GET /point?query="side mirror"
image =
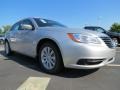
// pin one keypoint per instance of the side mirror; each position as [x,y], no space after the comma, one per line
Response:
[26,27]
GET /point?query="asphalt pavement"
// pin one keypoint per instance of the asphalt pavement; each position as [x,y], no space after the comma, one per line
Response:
[18,72]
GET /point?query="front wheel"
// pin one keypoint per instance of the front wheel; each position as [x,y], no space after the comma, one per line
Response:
[50,58]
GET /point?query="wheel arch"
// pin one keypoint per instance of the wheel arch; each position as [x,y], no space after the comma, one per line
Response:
[42,41]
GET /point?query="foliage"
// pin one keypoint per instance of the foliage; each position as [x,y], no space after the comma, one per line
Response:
[115,27]
[0,31]
[4,29]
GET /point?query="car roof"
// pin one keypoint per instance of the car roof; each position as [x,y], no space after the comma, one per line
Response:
[92,27]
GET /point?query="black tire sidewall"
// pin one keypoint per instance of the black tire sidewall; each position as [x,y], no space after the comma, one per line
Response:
[58,64]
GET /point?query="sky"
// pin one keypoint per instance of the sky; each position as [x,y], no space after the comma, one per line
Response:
[73,13]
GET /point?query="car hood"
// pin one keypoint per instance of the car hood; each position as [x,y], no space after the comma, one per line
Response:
[76,30]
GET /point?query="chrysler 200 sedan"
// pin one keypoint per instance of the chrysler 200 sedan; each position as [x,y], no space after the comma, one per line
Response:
[57,46]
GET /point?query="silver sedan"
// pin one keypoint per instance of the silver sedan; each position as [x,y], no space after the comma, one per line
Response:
[57,46]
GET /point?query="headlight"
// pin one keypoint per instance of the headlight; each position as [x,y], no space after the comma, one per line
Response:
[83,38]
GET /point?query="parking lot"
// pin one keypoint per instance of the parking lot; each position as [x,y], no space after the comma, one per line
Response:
[18,72]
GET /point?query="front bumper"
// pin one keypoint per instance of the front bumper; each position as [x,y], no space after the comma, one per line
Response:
[92,66]
[77,51]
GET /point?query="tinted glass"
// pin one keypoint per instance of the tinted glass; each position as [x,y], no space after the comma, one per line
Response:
[98,29]
[15,27]
[90,28]
[47,23]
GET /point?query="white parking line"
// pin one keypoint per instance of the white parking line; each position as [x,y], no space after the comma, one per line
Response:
[35,83]
[114,65]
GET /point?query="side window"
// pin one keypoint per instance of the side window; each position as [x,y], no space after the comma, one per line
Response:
[28,22]
[15,27]
[40,23]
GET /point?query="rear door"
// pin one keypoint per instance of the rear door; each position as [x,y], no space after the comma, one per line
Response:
[13,39]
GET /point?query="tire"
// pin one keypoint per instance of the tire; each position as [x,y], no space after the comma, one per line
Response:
[7,48]
[50,58]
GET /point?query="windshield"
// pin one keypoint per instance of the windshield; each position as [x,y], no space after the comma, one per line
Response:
[98,29]
[47,23]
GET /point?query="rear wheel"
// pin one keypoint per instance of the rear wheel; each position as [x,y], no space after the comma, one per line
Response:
[7,48]
[50,58]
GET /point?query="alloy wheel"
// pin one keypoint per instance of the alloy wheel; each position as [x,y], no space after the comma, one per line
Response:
[48,58]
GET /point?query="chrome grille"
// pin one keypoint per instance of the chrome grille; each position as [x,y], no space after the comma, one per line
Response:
[108,41]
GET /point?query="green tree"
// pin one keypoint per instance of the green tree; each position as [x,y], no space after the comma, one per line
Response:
[115,27]
[0,31]
[4,29]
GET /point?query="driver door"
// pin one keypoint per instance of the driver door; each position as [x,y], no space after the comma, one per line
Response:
[26,38]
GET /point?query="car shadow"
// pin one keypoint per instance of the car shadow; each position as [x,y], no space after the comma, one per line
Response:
[33,64]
